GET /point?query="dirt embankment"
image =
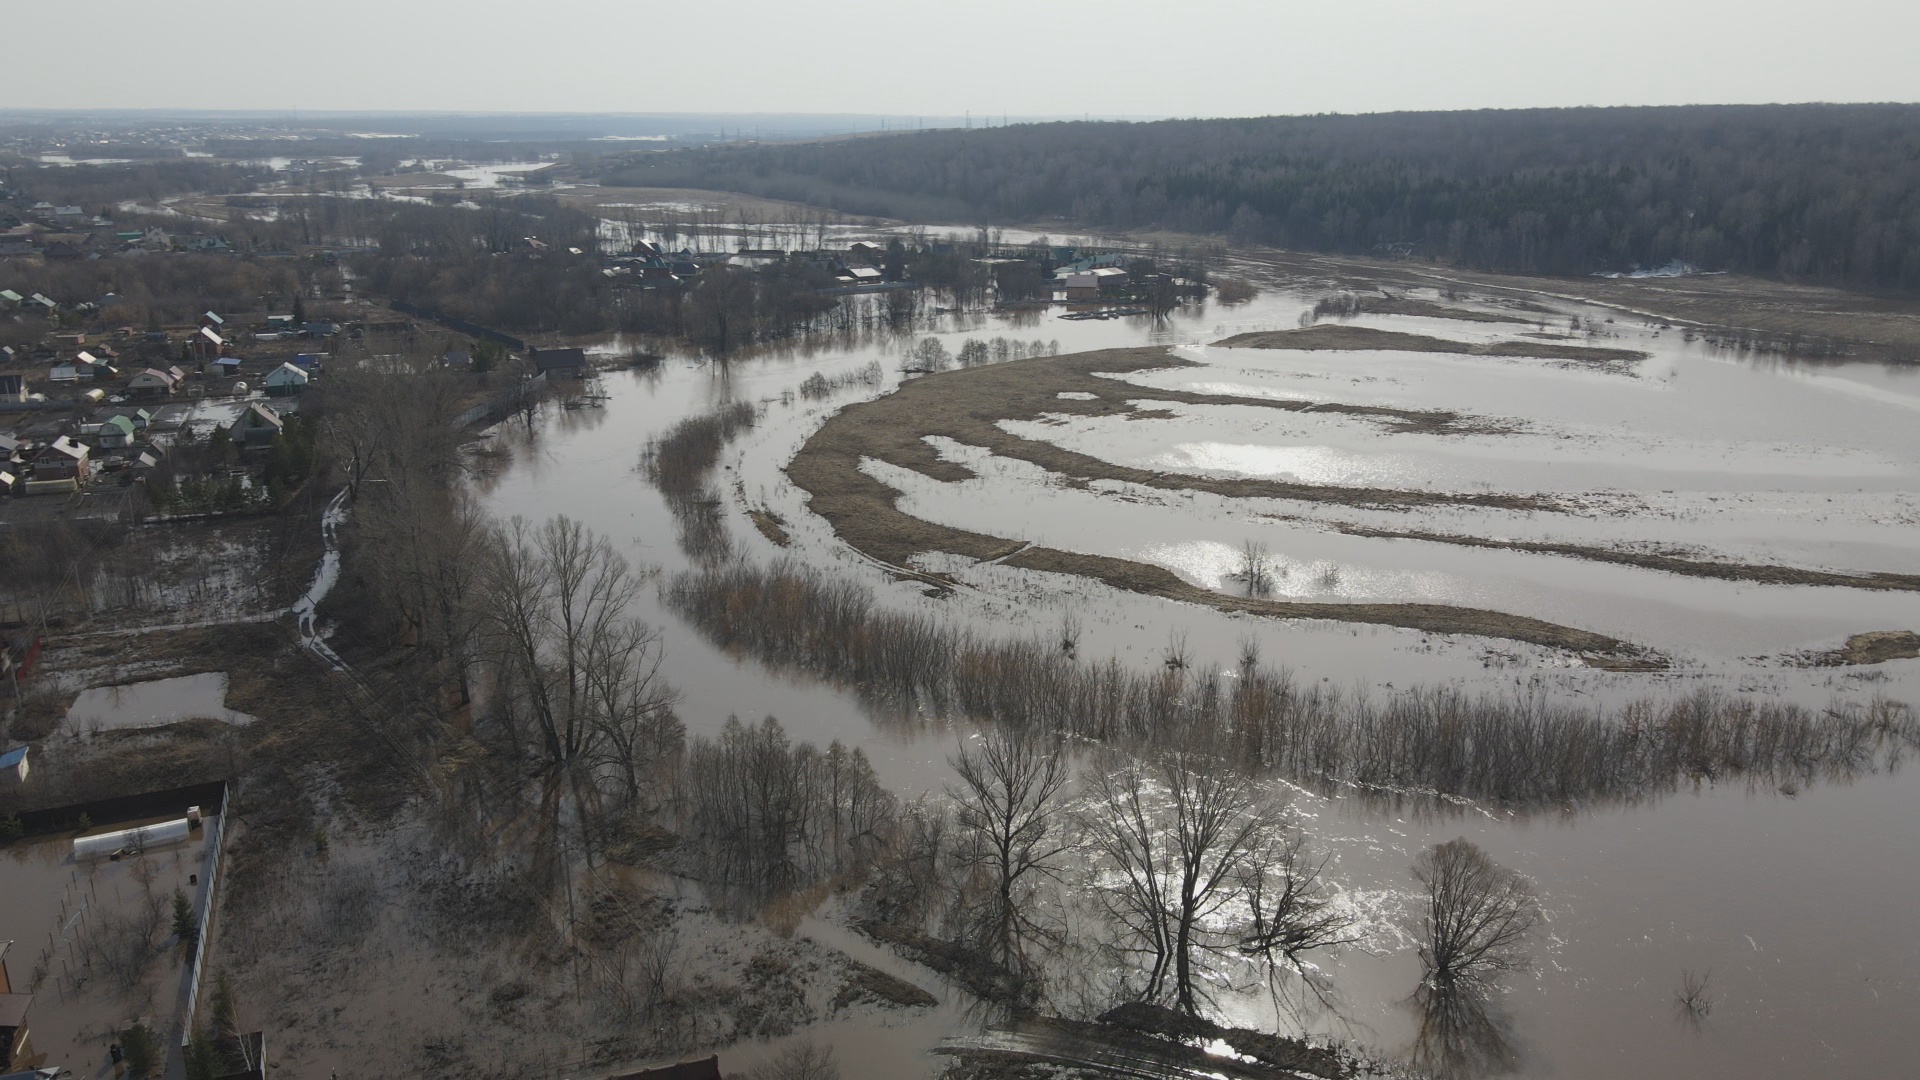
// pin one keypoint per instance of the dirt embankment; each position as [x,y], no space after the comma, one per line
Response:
[966,405]
[1763,573]
[1327,337]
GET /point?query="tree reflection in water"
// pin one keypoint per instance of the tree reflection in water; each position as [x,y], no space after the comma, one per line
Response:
[1463,1034]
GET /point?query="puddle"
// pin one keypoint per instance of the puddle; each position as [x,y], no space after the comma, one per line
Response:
[153,704]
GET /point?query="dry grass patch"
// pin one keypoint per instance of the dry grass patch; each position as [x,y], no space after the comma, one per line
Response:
[1352,338]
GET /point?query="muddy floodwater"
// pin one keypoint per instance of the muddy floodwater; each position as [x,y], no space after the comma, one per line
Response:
[153,704]
[1797,901]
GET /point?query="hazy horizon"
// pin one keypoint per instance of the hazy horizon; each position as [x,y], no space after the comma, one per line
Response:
[1125,58]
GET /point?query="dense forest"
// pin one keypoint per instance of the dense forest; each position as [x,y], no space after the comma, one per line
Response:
[1816,193]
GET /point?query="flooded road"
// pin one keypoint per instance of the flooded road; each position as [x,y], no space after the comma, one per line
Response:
[1797,904]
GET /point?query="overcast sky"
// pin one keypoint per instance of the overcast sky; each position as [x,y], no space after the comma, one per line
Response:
[907,57]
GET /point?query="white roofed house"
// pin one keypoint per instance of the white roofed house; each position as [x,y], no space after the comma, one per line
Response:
[208,344]
[257,426]
[61,465]
[286,379]
[1092,284]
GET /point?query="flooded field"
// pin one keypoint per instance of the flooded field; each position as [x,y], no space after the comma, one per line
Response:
[1556,484]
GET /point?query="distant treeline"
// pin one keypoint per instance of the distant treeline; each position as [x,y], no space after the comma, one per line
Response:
[1823,193]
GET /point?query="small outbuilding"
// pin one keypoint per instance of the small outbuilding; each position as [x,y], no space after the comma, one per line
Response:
[14,766]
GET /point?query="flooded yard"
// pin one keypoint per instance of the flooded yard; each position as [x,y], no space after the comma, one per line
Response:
[153,704]
[1796,899]
[92,940]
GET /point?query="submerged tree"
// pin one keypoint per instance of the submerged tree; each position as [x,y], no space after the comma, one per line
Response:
[1477,916]
[1256,568]
[579,679]
[1007,794]
[1178,832]
[1292,911]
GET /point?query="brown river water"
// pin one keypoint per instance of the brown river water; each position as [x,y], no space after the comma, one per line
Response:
[1799,902]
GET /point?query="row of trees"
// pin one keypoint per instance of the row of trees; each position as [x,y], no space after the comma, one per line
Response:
[1527,751]
[1826,193]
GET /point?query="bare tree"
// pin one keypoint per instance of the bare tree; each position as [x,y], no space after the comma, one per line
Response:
[1256,568]
[1179,832]
[425,546]
[1009,785]
[382,419]
[575,669]
[1478,913]
[1695,998]
[1293,914]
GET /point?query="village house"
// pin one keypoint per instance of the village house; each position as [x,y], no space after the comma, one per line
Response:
[1086,285]
[116,433]
[285,379]
[257,426]
[560,363]
[208,345]
[154,382]
[13,388]
[61,465]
